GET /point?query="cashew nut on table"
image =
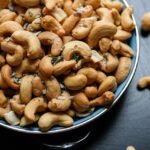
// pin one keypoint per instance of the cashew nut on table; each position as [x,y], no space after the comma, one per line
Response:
[62,59]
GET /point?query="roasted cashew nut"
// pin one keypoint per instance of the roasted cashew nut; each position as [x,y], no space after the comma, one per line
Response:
[2,60]
[3,84]
[3,99]
[34,47]
[16,105]
[116,16]
[4,4]
[61,103]
[75,82]
[62,67]
[5,110]
[106,99]
[109,84]
[105,44]
[123,69]
[101,76]
[45,67]
[76,47]
[26,89]
[144,82]
[77,3]
[6,72]
[68,7]
[91,91]
[14,52]
[50,4]
[53,89]
[50,38]
[126,19]
[35,105]
[94,3]
[146,22]
[50,119]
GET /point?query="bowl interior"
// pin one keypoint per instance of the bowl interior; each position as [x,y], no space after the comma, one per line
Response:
[134,43]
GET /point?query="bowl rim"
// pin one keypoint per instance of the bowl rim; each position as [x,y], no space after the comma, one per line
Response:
[99,114]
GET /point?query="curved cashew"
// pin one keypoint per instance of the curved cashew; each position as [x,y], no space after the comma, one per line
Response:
[83,28]
[50,23]
[116,16]
[94,3]
[5,110]
[145,21]
[122,35]
[50,38]
[19,19]
[3,99]
[6,72]
[121,49]
[27,65]
[68,7]
[37,86]
[91,91]
[34,47]
[50,4]
[35,25]
[76,47]
[26,89]
[3,84]
[50,119]
[100,30]
[104,44]
[2,60]
[144,82]
[4,4]
[126,20]
[123,69]
[90,73]
[81,102]
[109,84]
[15,52]
[106,99]
[27,3]
[32,13]
[45,67]
[35,105]
[70,22]
[9,27]
[77,3]
[110,63]
[67,39]
[16,105]
[61,103]
[53,89]
[112,4]
[62,67]
[75,82]
[100,77]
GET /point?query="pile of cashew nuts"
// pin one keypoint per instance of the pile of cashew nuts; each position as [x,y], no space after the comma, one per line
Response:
[61,59]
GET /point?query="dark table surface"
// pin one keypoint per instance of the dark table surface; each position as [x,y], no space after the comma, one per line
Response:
[128,123]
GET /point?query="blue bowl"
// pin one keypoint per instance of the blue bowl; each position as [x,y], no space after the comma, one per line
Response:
[134,43]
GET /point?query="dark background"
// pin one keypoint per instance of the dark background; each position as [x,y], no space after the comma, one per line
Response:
[128,123]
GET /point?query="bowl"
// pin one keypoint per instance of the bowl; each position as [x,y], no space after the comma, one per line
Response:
[134,43]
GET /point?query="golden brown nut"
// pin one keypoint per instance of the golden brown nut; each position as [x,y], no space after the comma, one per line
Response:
[91,91]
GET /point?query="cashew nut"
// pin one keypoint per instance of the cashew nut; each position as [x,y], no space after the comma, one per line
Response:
[68,7]
[109,84]
[35,25]
[77,3]
[26,89]
[67,39]
[94,3]
[106,99]
[121,49]
[14,52]
[27,65]
[70,22]
[35,105]
[100,77]
[75,82]
[104,44]
[81,102]
[3,99]
[50,38]
[146,22]
[50,119]
[123,69]
[19,19]
[126,20]
[76,47]
[90,73]
[27,3]
[50,23]
[45,67]
[6,72]
[2,60]
[61,103]
[4,4]
[144,82]
[37,86]
[34,47]
[3,84]
[50,4]
[53,89]
[62,67]
[83,28]
[91,91]
[16,105]
[5,110]
[110,63]
[116,16]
